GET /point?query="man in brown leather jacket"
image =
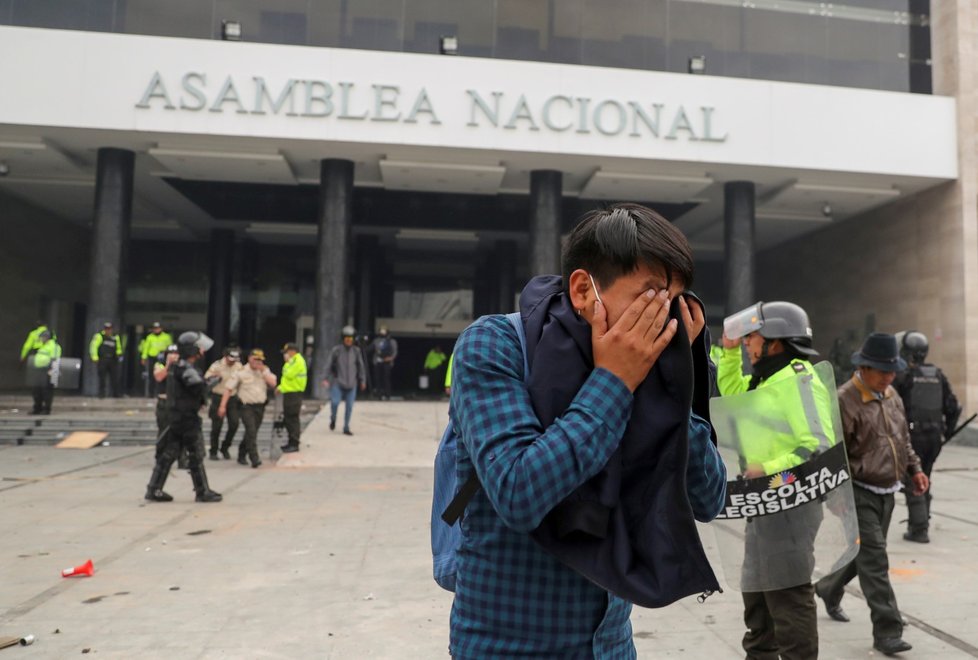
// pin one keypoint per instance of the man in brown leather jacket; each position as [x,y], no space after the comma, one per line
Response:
[880,455]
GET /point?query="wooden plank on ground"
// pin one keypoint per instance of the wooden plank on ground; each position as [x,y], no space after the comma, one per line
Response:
[82,439]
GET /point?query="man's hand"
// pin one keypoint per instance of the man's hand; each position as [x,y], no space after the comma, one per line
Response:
[222,411]
[630,348]
[363,387]
[920,483]
[693,318]
[754,470]
[325,382]
[730,343]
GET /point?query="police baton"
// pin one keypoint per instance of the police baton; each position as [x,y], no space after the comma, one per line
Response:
[950,436]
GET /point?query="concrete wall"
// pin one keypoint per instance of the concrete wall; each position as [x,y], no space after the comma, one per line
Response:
[44,273]
[912,264]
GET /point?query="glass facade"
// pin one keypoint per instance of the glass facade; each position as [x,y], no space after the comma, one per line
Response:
[875,44]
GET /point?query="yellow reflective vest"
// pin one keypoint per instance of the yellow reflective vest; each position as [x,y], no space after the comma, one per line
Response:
[47,353]
[798,418]
[96,342]
[153,344]
[294,375]
[33,341]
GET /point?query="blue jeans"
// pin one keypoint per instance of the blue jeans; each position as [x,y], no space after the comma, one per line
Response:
[337,394]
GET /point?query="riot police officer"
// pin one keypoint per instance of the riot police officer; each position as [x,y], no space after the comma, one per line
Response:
[932,411]
[186,393]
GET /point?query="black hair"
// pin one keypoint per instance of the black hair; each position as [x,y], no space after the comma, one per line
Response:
[612,242]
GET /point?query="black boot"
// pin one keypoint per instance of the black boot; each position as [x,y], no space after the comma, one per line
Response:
[204,493]
[225,447]
[154,489]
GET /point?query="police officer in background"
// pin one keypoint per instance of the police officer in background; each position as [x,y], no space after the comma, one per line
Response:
[160,371]
[186,393]
[150,348]
[292,386]
[249,384]
[47,359]
[222,370]
[105,349]
[33,341]
[932,412]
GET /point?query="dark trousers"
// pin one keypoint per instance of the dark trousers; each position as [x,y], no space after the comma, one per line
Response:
[382,379]
[162,424]
[872,565]
[251,417]
[928,448]
[43,397]
[108,375]
[781,624]
[291,407]
[181,438]
[233,417]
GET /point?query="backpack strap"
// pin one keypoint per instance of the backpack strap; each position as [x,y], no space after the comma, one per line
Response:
[461,500]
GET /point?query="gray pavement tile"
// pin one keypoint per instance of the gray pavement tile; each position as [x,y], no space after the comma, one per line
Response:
[326,555]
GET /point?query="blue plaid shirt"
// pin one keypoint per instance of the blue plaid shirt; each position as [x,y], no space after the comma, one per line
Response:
[512,598]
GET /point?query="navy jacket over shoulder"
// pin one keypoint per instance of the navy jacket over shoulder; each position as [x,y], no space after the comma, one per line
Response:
[630,529]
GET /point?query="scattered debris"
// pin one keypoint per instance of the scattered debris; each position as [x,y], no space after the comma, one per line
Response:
[199,532]
[57,631]
[369,596]
[86,651]
[174,588]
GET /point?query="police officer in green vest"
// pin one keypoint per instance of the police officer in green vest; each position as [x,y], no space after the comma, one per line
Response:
[152,345]
[781,620]
[105,349]
[292,385]
[47,359]
[33,342]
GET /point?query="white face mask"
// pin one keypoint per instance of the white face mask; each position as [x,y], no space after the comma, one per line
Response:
[595,289]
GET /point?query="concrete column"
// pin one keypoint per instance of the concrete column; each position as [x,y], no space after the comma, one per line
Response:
[545,205]
[219,289]
[335,217]
[110,240]
[738,240]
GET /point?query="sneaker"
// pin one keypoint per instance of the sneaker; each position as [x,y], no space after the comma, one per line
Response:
[347,432]
[332,423]
[289,449]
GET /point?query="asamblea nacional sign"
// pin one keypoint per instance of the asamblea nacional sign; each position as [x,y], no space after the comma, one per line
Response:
[486,109]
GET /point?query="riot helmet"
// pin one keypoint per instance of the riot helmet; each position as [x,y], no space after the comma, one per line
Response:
[193,343]
[774,320]
[913,346]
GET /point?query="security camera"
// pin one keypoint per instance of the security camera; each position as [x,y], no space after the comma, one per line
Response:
[827,210]
[4,169]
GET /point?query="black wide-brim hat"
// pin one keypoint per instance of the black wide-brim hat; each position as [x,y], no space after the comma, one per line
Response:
[880,351]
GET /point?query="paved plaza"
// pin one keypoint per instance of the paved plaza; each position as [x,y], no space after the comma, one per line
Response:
[325,554]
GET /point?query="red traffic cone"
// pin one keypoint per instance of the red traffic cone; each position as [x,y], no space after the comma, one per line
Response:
[85,569]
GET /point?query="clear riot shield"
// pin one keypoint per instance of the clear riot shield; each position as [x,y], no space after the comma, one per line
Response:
[798,520]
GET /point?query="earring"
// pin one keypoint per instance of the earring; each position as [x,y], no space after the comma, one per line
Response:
[578,311]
